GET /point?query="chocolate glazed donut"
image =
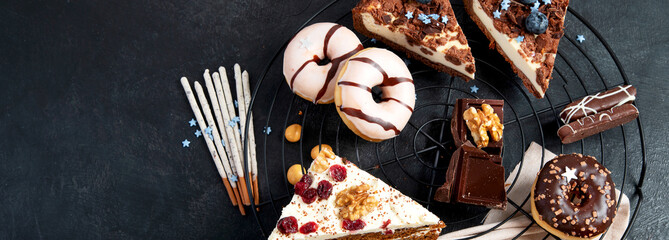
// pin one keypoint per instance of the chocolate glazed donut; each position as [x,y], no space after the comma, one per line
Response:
[574,197]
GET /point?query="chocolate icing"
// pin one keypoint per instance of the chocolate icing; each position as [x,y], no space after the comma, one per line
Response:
[593,104]
[593,124]
[555,198]
[347,83]
[459,128]
[359,114]
[315,59]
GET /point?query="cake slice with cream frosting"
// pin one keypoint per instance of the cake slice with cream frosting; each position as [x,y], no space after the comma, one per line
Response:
[428,32]
[337,200]
[531,53]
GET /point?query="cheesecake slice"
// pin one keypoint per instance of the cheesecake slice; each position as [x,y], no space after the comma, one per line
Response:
[337,200]
[427,32]
[531,55]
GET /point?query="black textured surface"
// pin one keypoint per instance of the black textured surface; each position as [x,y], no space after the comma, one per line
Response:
[92,115]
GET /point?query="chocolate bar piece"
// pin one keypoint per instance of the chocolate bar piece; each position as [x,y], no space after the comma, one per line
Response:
[593,104]
[459,128]
[474,177]
[593,124]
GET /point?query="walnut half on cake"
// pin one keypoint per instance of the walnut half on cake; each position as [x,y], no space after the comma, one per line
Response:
[427,32]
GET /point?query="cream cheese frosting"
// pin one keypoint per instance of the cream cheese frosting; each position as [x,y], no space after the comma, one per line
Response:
[401,210]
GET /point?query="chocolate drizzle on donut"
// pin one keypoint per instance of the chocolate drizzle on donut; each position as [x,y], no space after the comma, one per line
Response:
[347,83]
[315,59]
[387,81]
[398,101]
[580,207]
[335,61]
[359,114]
[327,38]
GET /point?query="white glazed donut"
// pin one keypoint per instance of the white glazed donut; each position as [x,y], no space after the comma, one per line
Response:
[353,94]
[310,47]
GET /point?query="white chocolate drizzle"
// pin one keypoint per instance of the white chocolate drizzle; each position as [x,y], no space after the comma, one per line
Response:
[582,105]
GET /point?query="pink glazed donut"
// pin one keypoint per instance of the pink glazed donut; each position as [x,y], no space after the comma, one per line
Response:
[353,94]
[303,60]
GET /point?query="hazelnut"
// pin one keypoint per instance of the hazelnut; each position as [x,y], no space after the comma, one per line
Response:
[294,173]
[316,150]
[293,133]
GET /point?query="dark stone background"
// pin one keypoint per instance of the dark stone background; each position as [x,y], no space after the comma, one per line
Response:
[92,115]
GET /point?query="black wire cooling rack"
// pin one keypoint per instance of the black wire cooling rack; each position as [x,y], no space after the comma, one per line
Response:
[415,161]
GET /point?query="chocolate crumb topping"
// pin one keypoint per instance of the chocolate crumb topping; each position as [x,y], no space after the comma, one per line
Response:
[391,13]
[576,206]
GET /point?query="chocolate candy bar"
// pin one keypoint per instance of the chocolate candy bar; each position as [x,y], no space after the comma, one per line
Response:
[474,177]
[593,104]
[459,128]
[593,124]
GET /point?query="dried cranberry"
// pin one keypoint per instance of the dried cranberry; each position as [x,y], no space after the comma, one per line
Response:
[287,225]
[307,178]
[324,189]
[308,228]
[353,225]
[309,195]
[300,187]
[385,223]
[385,226]
[338,172]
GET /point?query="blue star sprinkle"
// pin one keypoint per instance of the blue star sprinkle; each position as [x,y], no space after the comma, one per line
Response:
[267,130]
[520,38]
[192,122]
[222,142]
[185,143]
[497,14]
[474,89]
[373,40]
[198,133]
[424,18]
[506,2]
[232,123]
[211,136]
[505,6]
[580,38]
[235,119]
[535,8]
[546,2]
[236,104]
[434,16]
[233,178]
[207,130]
[409,15]
[444,19]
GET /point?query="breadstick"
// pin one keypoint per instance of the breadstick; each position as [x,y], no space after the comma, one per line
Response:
[217,110]
[230,131]
[223,169]
[251,135]
[241,106]
[228,102]
[217,138]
